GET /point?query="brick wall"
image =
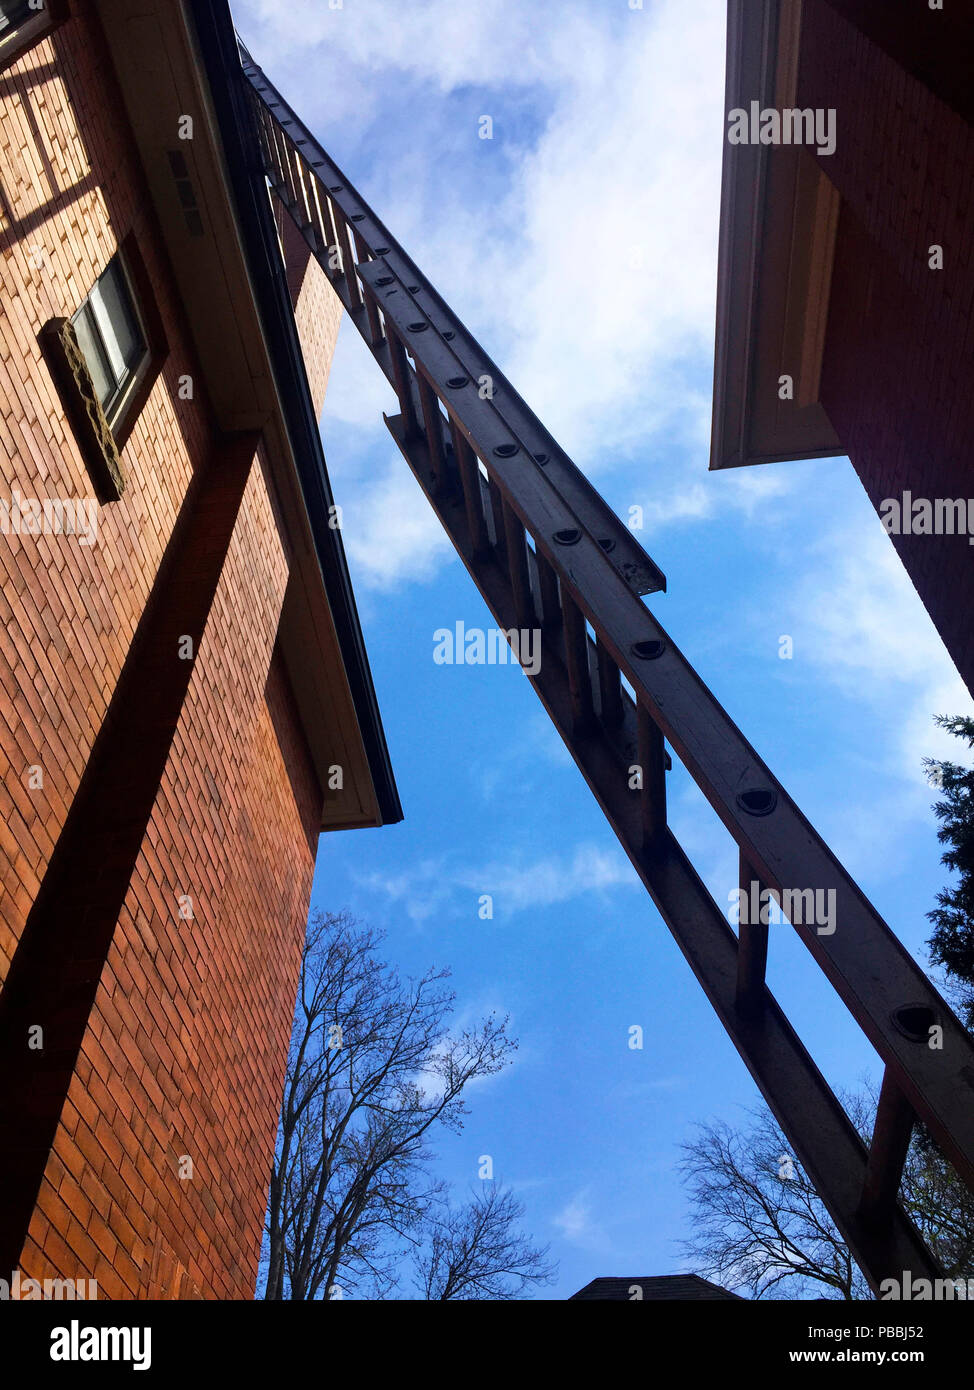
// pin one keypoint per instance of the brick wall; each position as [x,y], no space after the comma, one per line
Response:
[183,1059]
[317,308]
[899,356]
[72,190]
[185,1052]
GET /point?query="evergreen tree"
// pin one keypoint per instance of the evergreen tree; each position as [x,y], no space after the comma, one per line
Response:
[952,942]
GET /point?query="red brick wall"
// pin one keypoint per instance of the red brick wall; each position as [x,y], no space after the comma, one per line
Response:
[186,1049]
[72,190]
[186,1046]
[294,746]
[899,356]
[317,308]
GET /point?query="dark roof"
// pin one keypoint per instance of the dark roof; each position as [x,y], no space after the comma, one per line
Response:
[221,62]
[655,1288]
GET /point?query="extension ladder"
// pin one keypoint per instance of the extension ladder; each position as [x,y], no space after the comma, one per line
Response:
[546,552]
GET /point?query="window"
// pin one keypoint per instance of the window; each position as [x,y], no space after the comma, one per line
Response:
[111,336]
[14,13]
[23,22]
[104,363]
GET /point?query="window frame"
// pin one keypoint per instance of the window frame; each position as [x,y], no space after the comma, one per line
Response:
[101,440]
[120,403]
[26,32]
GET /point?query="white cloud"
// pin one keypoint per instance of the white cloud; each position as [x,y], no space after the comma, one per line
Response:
[543,882]
[358,393]
[438,42]
[515,884]
[613,285]
[576,1224]
[421,890]
[389,529]
[860,624]
[591,276]
[868,632]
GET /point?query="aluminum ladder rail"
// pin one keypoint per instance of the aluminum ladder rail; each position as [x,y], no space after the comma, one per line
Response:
[547,552]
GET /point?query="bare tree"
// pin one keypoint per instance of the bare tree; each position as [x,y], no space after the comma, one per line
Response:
[473,1252]
[759,1223]
[372,1069]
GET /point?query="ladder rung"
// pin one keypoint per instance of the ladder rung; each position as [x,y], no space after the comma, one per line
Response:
[402,374]
[291,175]
[497,515]
[352,289]
[433,425]
[302,174]
[652,797]
[577,661]
[610,691]
[265,127]
[550,597]
[279,163]
[892,1131]
[323,224]
[362,256]
[472,493]
[517,565]
[372,313]
[362,253]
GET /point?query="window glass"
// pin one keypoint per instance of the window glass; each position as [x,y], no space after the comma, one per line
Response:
[90,345]
[14,12]
[119,330]
[109,335]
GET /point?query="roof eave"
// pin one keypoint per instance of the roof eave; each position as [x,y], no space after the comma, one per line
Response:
[217,46]
[778,223]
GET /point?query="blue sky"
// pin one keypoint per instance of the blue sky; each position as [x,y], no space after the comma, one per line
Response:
[579,245]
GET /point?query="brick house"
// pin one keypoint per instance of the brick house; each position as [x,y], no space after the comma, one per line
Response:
[850,270]
[186,699]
